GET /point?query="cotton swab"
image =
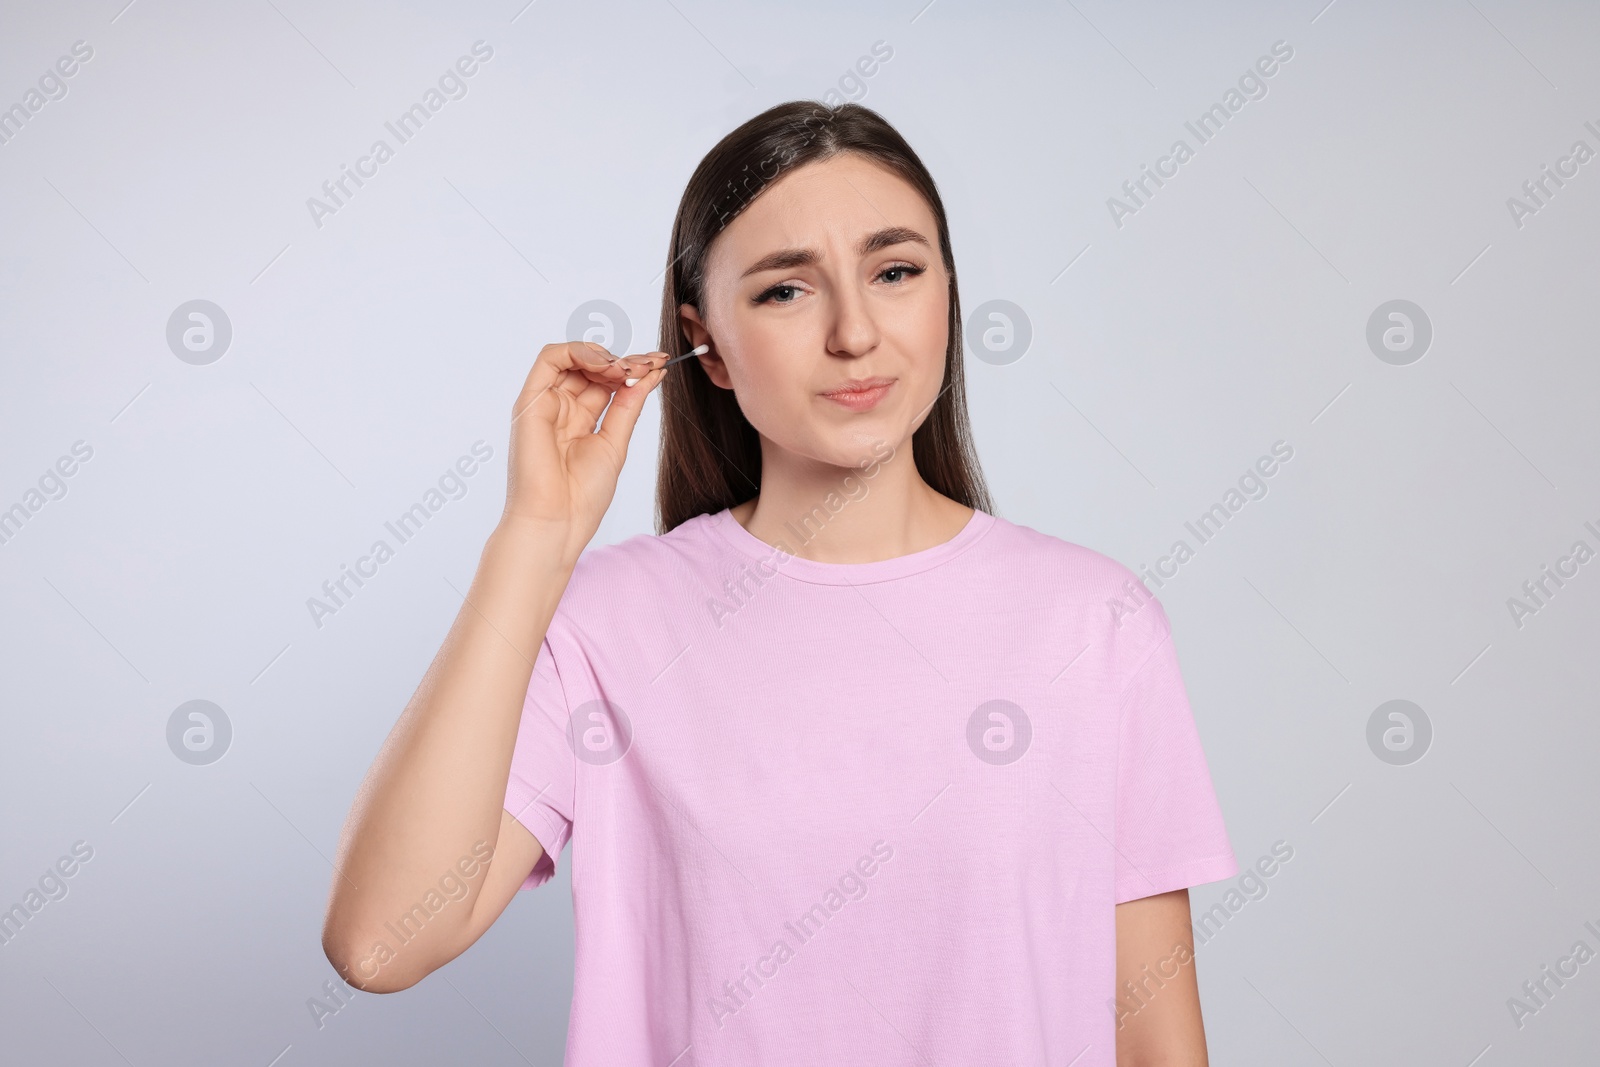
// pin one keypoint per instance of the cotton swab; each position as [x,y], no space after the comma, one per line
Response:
[700,351]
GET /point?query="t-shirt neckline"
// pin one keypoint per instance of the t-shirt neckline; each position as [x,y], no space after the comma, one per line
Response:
[810,570]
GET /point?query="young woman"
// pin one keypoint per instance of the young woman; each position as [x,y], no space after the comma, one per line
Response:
[855,770]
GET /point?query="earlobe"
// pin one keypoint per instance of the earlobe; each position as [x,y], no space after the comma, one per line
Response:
[715,370]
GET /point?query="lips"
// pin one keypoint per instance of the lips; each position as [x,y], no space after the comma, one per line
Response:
[861,395]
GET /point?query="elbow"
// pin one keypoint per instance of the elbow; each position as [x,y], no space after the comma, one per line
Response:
[370,968]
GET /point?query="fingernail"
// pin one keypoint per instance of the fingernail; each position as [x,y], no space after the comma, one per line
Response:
[630,382]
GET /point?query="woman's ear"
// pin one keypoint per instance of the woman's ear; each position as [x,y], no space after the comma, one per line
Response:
[695,329]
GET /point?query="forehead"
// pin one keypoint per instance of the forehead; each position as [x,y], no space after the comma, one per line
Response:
[827,205]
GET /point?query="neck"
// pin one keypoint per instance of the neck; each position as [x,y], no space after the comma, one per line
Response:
[877,510]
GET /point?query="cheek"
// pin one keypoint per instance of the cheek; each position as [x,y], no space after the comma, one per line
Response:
[765,354]
[922,331]
[767,362]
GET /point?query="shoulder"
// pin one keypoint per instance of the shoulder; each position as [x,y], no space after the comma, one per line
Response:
[623,579]
[1098,593]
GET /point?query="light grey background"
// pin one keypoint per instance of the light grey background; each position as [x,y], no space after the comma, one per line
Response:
[1167,354]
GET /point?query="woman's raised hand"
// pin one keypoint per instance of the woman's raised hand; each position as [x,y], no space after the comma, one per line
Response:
[561,473]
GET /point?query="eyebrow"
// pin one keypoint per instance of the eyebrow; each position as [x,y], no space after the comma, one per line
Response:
[785,258]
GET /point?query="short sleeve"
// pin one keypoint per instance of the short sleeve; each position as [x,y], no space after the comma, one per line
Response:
[1169,830]
[539,790]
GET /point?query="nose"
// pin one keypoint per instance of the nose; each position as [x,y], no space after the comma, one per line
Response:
[854,331]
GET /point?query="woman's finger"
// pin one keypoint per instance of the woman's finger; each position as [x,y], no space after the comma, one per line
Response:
[624,410]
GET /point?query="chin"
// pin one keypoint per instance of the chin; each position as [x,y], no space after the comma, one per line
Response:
[864,445]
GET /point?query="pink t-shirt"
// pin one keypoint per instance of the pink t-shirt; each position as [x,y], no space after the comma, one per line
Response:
[857,813]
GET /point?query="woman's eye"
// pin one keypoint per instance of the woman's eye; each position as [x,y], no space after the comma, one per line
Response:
[786,294]
[901,268]
[770,296]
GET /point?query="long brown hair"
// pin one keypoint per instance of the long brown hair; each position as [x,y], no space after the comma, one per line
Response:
[710,456]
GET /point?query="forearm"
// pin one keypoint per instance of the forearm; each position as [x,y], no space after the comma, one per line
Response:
[437,785]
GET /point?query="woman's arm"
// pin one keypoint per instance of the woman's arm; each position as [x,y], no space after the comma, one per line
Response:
[1157,998]
[438,784]
[429,816]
